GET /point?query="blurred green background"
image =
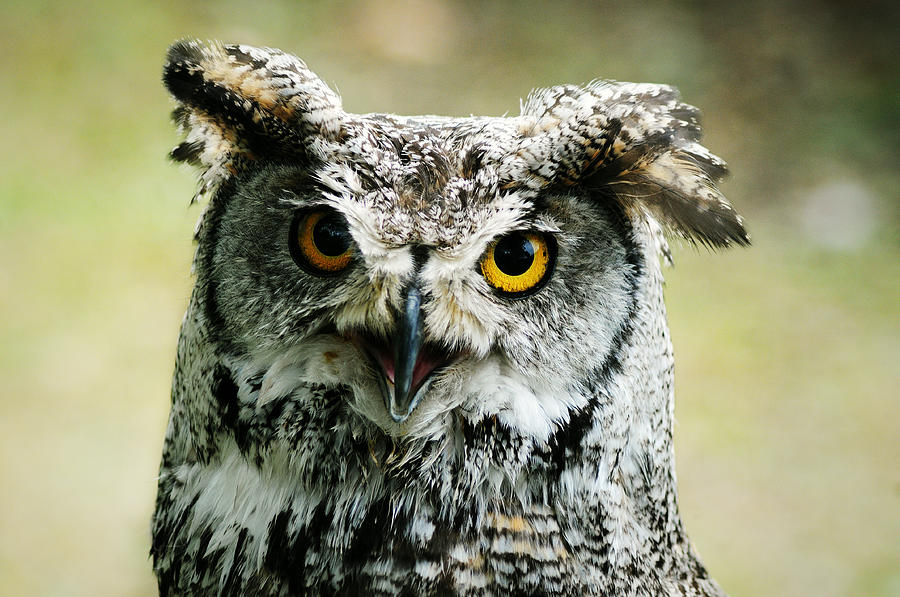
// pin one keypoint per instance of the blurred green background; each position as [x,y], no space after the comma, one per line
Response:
[788,352]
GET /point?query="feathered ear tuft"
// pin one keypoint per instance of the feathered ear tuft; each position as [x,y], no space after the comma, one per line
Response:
[639,145]
[239,103]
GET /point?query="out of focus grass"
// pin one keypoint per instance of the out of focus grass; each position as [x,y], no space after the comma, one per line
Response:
[787,353]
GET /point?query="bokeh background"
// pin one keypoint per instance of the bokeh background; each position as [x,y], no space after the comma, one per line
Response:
[788,353]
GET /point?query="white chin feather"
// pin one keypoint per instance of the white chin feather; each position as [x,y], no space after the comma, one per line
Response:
[477,388]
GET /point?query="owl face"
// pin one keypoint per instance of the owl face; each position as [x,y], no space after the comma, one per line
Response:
[495,319]
[435,267]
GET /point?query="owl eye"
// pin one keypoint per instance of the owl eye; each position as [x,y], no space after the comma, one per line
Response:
[519,263]
[320,242]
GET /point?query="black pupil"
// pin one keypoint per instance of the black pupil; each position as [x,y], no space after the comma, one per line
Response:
[514,254]
[331,237]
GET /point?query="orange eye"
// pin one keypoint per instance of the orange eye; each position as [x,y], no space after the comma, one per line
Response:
[519,263]
[320,242]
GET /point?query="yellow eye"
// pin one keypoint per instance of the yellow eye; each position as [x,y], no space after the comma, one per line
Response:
[519,263]
[320,242]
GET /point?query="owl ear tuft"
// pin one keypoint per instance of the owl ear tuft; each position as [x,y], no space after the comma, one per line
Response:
[239,103]
[639,145]
[679,189]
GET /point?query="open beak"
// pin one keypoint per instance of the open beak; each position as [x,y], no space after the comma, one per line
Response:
[406,361]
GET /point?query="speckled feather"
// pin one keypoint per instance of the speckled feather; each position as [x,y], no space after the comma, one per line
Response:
[539,462]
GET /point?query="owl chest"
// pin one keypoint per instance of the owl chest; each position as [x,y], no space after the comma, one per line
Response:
[261,531]
[390,552]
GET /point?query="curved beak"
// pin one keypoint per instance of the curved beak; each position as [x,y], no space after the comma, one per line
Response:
[408,340]
[406,361]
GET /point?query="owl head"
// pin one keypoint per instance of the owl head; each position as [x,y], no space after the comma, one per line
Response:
[434,269]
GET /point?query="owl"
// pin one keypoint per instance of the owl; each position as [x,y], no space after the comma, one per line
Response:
[428,355]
